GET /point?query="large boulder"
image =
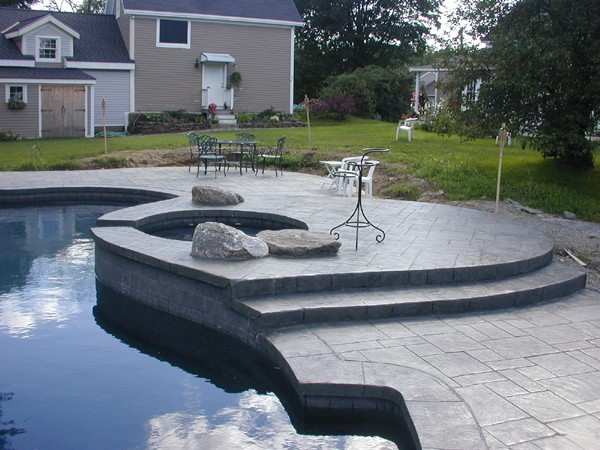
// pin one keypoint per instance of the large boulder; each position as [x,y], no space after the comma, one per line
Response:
[217,240]
[216,196]
[293,242]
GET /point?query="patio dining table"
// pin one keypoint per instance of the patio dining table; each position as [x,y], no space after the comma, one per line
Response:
[241,145]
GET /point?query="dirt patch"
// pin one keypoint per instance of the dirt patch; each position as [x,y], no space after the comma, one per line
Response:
[580,238]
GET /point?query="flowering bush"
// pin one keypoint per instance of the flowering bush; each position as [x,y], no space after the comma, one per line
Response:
[337,107]
[212,108]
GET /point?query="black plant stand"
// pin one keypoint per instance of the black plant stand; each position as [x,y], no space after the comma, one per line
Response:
[358,219]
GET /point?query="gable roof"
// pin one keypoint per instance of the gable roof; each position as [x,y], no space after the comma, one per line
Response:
[22,27]
[99,40]
[282,12]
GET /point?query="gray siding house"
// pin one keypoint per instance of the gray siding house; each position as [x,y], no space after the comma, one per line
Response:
[185,52]
[55,69]
[142,56]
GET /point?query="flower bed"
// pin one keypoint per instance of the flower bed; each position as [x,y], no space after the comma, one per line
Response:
[166,122]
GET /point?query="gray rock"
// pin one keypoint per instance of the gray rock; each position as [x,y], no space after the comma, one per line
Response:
[220,241]
[210,195]
[569,215]
[299,242]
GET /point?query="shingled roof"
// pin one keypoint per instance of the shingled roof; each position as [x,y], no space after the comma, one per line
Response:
[100,38]
[37,73]
[266,10]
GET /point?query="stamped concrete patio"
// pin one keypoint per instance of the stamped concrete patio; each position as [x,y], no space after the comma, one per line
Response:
[460,317]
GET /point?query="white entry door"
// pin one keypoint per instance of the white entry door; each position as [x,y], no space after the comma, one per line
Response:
[214,80]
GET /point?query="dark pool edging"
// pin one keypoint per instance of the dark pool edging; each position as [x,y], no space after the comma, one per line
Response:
[81,194]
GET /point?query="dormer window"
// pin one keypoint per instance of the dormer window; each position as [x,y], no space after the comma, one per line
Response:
[48,49]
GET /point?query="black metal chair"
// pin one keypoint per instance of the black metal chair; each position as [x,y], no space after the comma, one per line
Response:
[272,156]
[243,158]
[193,143]
[208,153]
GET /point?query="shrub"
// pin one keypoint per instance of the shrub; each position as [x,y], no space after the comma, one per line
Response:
[245,117]
[266,114]
[8,135]
[179,115]
[376,91]
[338,107]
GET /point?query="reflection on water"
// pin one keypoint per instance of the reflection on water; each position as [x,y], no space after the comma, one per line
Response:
[71,383]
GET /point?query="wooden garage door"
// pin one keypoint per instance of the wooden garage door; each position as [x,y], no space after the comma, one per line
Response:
[63,111]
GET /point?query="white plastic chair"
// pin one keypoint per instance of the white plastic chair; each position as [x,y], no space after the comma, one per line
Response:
[367,180]
[408,126]
[346,175]
[508,138]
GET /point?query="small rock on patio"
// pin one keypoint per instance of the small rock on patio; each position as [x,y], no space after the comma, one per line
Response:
[212,195]
[220,241]
[299,242]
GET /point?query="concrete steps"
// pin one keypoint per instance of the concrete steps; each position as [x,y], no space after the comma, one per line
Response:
[226,117]
[550,282]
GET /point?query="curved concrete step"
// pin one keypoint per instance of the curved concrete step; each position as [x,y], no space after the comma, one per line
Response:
[550,282]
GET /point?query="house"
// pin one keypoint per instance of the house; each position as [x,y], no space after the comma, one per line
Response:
[143,56]
[55,68]
[427,79]
[185,52]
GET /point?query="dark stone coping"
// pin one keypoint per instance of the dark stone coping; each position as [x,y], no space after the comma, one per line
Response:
[81,194]
[183,218]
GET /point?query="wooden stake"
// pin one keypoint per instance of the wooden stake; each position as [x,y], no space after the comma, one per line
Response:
[307,106]
[575,258]
[104,125]
[503,135]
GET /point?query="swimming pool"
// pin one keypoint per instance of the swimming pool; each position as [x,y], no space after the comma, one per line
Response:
[70,380]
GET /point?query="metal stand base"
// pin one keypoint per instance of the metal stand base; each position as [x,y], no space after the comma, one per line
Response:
[358,218]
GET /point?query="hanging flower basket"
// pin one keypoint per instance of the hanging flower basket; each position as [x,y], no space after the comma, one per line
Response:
[235,79]
[16,104]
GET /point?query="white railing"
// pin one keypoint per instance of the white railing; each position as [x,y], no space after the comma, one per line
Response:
[207,99]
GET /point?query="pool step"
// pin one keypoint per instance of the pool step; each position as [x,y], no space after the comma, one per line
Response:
[552,281]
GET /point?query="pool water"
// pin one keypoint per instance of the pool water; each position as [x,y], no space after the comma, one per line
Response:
[69,379]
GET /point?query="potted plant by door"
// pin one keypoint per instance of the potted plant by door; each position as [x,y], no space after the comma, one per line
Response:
[212,109]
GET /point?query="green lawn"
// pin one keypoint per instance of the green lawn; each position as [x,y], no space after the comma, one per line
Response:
[463,170]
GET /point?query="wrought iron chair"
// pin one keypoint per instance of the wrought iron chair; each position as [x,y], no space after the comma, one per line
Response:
[208,153]
[243,159]
[193,143]
[273,156]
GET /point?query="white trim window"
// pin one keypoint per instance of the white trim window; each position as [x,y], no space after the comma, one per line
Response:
[15,92]
[173,33]
[48,49]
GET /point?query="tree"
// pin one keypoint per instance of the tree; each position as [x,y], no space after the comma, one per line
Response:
[23,4]
[78,6]
[541,76]
[374,90]
[91,6]
[340,36]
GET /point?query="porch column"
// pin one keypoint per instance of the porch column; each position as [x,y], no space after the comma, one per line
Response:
[417,90]
[435,98]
